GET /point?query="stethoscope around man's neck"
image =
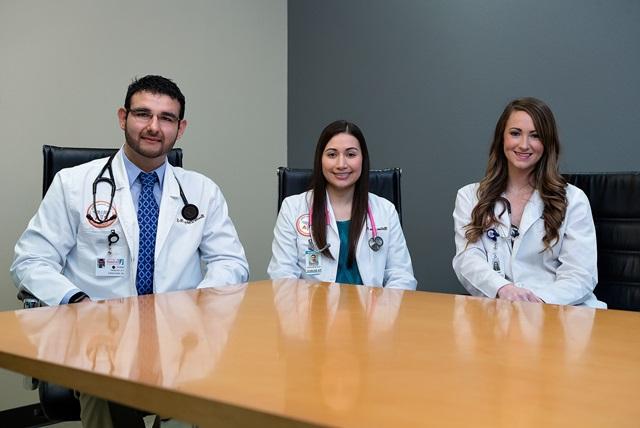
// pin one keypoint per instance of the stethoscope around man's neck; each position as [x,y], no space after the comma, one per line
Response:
[189,211]
[375,242]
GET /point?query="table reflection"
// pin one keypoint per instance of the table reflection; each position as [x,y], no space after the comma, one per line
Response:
[523,324]
[506,347]
[343,330]
[165,339]
[339,355]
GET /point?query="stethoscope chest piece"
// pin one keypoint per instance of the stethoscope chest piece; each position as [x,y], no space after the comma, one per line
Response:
[375,243]
[190,212]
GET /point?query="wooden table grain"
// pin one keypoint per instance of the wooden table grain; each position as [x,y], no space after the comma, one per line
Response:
[294,353]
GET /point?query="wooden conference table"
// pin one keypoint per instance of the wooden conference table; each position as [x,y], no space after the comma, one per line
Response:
[292,353]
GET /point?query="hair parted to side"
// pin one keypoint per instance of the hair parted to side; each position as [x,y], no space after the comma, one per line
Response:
[319,188]
[545,178]
[155,85]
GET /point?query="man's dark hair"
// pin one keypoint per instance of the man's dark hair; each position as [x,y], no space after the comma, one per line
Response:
[155,85]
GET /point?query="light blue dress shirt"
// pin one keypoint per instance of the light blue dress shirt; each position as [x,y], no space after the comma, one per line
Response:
[134,183]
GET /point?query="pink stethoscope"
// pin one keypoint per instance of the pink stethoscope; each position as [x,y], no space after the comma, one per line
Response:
[375,242]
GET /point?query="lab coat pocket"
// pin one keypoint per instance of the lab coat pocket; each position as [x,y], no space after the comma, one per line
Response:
[374,256]
[186,235]
[92,240]
[97,245]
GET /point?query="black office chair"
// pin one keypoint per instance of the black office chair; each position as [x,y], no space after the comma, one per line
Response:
[615,205]
[382,182]
[59,403]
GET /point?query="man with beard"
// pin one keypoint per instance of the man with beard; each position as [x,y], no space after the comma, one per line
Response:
[131,224]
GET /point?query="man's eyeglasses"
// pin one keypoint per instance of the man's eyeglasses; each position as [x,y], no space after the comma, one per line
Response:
[145,116]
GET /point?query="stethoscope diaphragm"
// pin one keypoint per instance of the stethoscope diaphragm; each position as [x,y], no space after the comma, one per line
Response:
[375,243]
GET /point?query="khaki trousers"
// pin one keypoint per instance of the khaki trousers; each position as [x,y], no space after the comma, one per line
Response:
[98,413]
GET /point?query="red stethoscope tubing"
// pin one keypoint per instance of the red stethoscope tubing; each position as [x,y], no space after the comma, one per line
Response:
[374,230]
[375,242]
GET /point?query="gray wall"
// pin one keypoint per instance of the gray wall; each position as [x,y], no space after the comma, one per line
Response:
[65,68]
[427,80]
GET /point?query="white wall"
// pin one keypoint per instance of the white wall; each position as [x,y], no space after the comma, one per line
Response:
[64,69]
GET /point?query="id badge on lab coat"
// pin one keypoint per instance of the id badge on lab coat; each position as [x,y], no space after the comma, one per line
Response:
[494,260]
[312,262]
[111,265]
[496,265]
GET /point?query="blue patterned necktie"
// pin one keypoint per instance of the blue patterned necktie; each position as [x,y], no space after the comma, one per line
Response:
[148,224]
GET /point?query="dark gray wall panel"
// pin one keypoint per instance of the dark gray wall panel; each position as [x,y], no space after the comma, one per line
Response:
[426,81]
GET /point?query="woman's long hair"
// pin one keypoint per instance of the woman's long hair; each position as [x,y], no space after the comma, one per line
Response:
[319,188]
[546,177]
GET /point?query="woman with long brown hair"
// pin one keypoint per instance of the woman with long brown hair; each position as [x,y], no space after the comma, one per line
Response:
[523,233]
[338,231]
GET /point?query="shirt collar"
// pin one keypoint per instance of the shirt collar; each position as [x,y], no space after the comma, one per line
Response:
[133,171]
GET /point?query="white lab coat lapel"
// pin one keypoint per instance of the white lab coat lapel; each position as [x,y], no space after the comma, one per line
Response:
[504,220]
[532,213]
[127,215]
[169,207]
[364,253]
[333,237]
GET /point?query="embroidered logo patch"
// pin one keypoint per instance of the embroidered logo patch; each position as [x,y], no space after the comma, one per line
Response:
[302,225]
[100,212]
